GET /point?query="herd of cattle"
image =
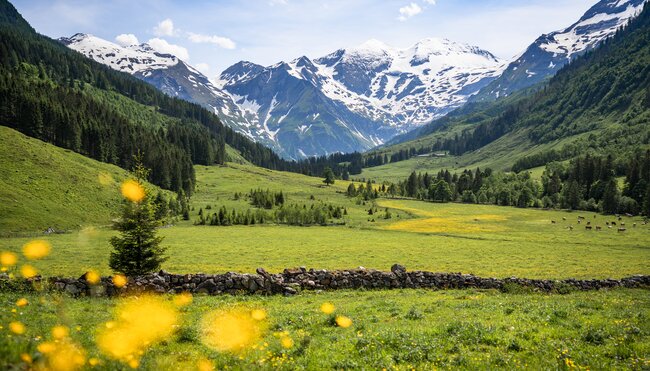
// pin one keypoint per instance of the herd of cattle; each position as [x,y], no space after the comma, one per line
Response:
[619,224]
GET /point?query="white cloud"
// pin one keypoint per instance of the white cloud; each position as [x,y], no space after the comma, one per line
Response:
[278,2]
[204,68]
[126,39]
[163,46]
[409,11]
[164,28]
[430,2]
[222,42]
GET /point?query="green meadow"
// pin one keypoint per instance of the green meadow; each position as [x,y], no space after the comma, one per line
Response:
[402,329]
[480,239]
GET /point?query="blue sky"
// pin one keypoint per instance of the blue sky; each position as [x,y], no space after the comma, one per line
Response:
[216,34]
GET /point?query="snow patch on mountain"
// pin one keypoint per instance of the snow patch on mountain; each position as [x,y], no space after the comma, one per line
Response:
[550,52]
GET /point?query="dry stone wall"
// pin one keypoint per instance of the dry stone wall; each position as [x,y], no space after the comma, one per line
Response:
[292,281]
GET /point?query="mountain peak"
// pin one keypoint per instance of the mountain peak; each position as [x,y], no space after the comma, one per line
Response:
[131,59]
[372,46]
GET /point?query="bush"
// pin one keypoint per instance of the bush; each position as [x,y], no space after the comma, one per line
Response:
[628,205]
[468,197]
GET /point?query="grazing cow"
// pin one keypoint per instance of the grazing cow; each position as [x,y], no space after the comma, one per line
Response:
[629,215]
[613,223]
[594,216]
[588,227]
[622,224]
[609,226]
[619,218]
[598,228]
[571,227]
[563,218]
[606,223]
[580,217]
[552,221]
[634,225]
[588,223]
[621,229]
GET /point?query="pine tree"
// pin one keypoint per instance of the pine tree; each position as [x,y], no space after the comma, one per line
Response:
[646,202]
[329,176]
[412,185]
[571,195]
[442,191]
[351,192]
[137,249]
[610,197]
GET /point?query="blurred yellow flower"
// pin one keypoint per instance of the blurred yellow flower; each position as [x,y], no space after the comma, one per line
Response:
[36,249]
[286,342]
[183,299]
[140,323]
[60,332]
[93,361]
[46,347]
[327,308]
[63,355]
[343,321]
[26,358]
[230,331]
[17,328]
[28,271]
[134,363]
[93,277]
[119,280]
[8,259]
[21,302]
[132,190]
[205,365]
[258,314]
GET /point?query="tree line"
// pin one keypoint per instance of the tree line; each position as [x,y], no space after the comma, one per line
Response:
[291,214]
[585,183]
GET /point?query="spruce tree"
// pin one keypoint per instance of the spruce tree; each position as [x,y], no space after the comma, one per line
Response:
[442,191]
[329,176]
[646,202]
[610,197]
[137,249]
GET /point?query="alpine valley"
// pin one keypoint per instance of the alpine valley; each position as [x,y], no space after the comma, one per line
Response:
[431,207]
[357,98]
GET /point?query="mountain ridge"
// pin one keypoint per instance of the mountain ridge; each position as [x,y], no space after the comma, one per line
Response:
[550,52]
[373,89]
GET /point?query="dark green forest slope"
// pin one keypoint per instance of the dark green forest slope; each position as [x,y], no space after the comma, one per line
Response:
[57,95]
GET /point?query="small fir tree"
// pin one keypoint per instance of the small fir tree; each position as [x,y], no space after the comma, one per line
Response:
[137,249]
[329,176]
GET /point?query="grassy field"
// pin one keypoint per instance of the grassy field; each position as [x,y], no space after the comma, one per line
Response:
[44,186]
[484,240]
[402,329]
[498,155]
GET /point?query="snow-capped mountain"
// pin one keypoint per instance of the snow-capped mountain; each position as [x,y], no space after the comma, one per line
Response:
[550,52]
[170,75]
[357,98]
